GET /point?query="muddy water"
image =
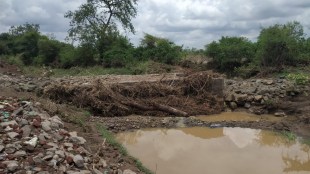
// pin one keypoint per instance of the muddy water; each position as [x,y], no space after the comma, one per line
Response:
[238,116]
[216,151]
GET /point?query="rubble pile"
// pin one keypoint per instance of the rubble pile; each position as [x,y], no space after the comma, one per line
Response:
[34,142]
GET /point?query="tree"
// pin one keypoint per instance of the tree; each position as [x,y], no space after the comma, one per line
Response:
[159,49]
[280,45]
[230,53]
[96,19]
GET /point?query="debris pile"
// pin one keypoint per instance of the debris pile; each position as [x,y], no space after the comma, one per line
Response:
[34,142]
[184,95]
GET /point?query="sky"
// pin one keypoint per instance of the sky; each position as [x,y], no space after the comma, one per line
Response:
[191,23]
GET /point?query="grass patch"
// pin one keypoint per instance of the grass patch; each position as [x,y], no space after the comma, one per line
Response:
[289,135]
[111,140]
[306,141]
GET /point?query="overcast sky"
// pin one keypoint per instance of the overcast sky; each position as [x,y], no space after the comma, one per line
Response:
[192,23]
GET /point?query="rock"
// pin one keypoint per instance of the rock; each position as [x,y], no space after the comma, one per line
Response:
[233,105]
[5,124]
[68,145]
[23,122]
[56,122]
[1,148]
[33,142]
[12,166]
[48,157]
[38,159]
[247,105]
[58,137]
[279,114]
[230,97]
[77,140]
[12,135]
[78,161]
[46,126]
[128,171]
[26,130]
[258,97]
[1,106]
[60,153]
[268,82]
[95,171]
[20,153]
[36,123]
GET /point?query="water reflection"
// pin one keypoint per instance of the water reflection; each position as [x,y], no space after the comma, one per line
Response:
[223,150]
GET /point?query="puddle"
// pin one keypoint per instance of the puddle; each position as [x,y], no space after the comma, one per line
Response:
[216,151]
[237,116]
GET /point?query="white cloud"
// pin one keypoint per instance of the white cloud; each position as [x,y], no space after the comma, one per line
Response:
[192,23]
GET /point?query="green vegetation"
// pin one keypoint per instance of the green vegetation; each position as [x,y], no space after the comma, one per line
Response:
[111,140]
[299,78]
[289,135]
[277,47]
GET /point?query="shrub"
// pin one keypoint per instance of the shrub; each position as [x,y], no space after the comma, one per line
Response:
[230,53]
[280,45]
[300,79]
[159,50]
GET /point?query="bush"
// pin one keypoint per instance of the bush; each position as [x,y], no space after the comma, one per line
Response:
[159,50]
[230,53]
[300,79]
[67,56]
[247,71]
[48,51]
[280,45]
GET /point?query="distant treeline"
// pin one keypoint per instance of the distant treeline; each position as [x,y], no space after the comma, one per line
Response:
[277,46]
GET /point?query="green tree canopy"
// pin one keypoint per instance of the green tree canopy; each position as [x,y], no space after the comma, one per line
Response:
[230,52]
[94,19]
[280,45]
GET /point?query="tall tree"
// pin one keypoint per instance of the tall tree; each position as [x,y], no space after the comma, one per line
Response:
[95,20]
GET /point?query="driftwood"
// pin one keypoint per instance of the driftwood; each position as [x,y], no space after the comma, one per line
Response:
[189,95]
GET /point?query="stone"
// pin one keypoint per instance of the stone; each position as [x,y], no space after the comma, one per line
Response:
[77,140]
[56,122]
[279,114]
[128,171]
[46,126]
[233,105]
[36,123]
[78,161]
[268,82]
[38,159]
[1,148]
[12,166]
[12,135]
[5,124]
[58,137]
[33,142]
[95,171]
[60,153]
[241,97]
[230,97]
[247,105]
[68,145]
[258,97]
[1,106]
[20,153]
[23,122]
[48,157]
[26,130]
